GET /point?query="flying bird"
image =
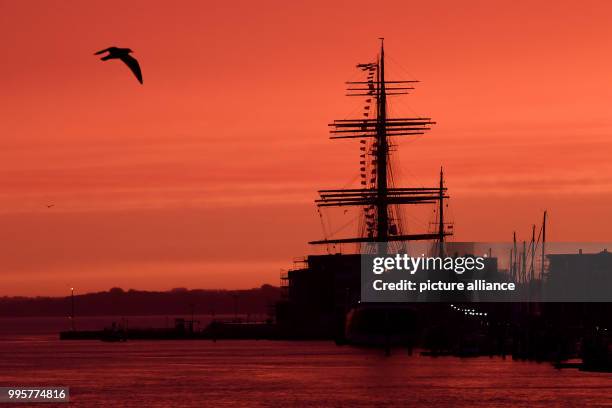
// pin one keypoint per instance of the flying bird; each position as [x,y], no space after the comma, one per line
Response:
[124,55]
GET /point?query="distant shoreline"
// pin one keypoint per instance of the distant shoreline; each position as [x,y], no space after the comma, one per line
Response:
[118,302]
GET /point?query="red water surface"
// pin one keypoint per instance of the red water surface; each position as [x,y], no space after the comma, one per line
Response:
[273,373]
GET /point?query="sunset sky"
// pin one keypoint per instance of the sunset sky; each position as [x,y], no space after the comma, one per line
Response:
[205,176]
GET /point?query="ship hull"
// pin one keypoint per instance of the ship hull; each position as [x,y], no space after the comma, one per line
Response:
[382,325]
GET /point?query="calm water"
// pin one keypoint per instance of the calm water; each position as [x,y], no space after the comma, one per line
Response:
[264,373]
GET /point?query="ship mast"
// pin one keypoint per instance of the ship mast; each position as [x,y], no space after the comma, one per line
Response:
[382,152]
[377,196]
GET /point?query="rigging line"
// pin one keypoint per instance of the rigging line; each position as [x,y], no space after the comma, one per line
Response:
[396,63]
[353,112]
[411,76]
[403,103]
[540,233]
[407,140]
[405,173]
[350,182]
[397,211]
[535,254]
[323,228]
[348,223]
[393,113]
[324,218]
[418,220]
[322,222]
[329,223]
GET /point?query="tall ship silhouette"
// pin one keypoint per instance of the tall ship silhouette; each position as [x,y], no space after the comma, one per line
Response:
[322,297]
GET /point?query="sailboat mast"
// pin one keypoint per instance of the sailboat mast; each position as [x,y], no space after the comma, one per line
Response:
[382,149]
[543,245]
[441,214]
[524,262]
[533,248]
[515,272]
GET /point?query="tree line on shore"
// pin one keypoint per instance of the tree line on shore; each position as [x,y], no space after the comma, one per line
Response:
[117,301]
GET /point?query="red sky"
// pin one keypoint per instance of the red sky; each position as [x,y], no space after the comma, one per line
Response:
[204,177]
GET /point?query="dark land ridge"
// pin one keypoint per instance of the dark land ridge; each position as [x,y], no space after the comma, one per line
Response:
[117,301]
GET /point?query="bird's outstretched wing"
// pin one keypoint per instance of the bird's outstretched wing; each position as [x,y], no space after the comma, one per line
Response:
[103,51]
[133,65]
